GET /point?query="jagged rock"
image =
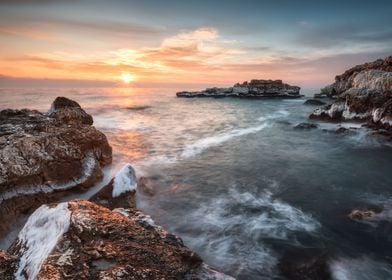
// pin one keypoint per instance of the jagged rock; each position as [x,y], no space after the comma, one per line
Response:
[44,154]
[373,75]
[120,192]
[306,126]
[253,89]
[314,102]
[363,93]
[81,240]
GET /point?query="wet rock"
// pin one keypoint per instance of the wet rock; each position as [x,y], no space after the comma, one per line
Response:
[7,265]
[253,89]
[320,95]
[42,155]
[87,241]
[138,108]
[305,264]
[120,192]
[306,126]
[314,102]
[360,214]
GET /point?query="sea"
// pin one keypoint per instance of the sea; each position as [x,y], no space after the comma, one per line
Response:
[242,187]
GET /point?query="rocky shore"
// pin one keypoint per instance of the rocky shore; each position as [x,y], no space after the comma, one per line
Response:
[362,93]
[45,155]
[256,89]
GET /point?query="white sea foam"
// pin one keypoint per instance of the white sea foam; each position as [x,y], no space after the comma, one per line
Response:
[202,144]
[124,181]
[360,269]
[234,226]
[89,166]
[39,236]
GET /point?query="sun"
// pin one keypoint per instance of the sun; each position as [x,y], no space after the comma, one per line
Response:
[127,78]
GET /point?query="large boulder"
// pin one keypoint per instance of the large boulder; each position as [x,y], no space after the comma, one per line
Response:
[42,155]
[254,89]
[81,240]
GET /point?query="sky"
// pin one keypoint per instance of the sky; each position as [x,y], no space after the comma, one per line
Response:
[187,44]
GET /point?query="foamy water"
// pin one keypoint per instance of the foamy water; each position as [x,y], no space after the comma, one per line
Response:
[239,184]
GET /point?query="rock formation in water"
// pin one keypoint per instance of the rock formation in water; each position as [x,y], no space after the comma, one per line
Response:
[375,75]
[363,93]
[314,102]
[83,240]
[253,89]
[44,154]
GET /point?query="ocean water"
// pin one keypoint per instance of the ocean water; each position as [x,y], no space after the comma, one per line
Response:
[239,184]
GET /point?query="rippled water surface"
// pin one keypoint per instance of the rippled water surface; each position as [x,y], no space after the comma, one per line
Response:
[240,185]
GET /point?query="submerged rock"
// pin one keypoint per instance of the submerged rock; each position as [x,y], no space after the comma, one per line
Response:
[42,155]
[81,240]
[314,102]
[360,214]
[305,264]
[306,126]
[253,89]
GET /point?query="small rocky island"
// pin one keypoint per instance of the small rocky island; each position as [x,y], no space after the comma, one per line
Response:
[255,89]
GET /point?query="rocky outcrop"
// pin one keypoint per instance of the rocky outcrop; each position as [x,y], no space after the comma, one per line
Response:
[81,240]
[253,89]
[363,93]
[375,75]
[42,155]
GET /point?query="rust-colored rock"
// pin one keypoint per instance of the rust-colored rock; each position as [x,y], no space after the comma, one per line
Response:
[97,243]
[42,155]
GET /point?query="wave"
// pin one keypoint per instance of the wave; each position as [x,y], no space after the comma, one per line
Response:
[205,143]
[202,144]
[233,229]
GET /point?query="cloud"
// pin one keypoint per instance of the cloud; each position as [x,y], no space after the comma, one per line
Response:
[30,33]
[325,36]
[201,56]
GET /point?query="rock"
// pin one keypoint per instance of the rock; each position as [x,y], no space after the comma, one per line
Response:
[81,240]
[120,192]
[306,126]
[253,89]
[373,75]
[359,214]
[320,95]
[314,102]
[7,265]
[362,93]
[305,264]
[42,155]
[67,111]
